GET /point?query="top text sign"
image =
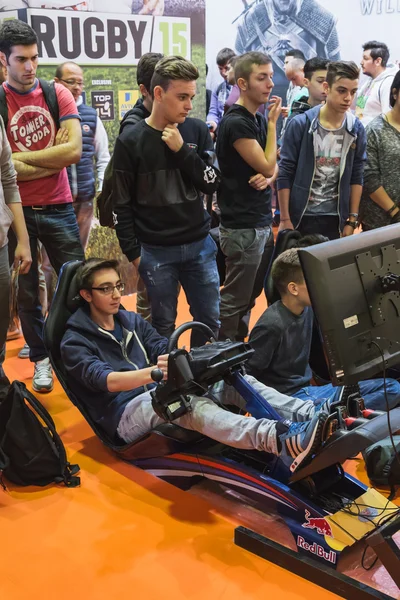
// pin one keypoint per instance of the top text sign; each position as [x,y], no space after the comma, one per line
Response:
[97,38]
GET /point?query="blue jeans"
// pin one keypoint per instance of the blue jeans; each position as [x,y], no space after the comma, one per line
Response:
[57,229]
[193,265]
[372,391]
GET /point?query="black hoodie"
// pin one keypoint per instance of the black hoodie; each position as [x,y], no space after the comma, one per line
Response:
[157,191]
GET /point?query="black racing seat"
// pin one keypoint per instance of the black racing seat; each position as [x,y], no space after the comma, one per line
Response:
[287,238]
[164,439]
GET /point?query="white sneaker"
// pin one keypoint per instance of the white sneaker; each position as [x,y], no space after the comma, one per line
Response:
[24,352]
[43,376]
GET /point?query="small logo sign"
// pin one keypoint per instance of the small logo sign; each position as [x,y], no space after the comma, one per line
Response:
[319,523]
[126,100]
[210,175]
[103,102]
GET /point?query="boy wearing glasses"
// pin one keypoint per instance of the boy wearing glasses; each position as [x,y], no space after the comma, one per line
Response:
[109,354]
[81,176]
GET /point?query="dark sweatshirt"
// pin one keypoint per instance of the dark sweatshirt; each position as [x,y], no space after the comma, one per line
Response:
[90,354]
[282,342]
[157,191]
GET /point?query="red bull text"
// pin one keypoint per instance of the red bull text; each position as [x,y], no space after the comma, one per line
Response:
[317,550]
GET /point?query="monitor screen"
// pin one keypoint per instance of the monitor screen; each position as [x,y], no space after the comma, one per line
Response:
[354,287]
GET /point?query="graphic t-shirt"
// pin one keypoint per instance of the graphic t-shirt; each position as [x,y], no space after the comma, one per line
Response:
[324,193]
[31,127]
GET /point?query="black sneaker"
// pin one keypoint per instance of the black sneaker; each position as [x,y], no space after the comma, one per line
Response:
[302,440]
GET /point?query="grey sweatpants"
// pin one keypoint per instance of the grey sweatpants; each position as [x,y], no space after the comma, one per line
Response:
[213,421]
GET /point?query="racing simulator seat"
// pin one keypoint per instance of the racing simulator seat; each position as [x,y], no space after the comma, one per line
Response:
[321,489]
[165,439]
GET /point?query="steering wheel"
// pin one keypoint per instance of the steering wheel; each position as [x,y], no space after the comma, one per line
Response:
[173,340]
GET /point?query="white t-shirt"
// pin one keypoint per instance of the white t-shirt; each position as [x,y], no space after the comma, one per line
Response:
[373,96]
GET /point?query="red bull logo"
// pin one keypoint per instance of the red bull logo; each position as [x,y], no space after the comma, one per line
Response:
[319,523]
[317,550]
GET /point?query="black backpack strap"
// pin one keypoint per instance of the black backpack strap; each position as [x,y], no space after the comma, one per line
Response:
[4,463]
[3,106]
[68,471]
[50,96]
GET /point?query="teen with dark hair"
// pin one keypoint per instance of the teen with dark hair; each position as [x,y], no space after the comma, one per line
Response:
[161,222]
[221,94]
[246,150]
[315,71]
[282,337]
[109,354]
[381,194]
[373,96]
[144,73]
[322,161]
[40,156]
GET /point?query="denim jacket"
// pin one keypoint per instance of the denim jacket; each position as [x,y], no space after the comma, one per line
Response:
[297,163]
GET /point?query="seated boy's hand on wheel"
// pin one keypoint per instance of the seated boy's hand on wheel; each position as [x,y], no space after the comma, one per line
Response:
[162,364]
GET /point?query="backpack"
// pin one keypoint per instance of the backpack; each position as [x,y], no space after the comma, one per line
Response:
[104,202]
[383,468]
[31,451]
[50,96]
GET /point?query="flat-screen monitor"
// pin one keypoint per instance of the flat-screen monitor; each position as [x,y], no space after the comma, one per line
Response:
[354,287]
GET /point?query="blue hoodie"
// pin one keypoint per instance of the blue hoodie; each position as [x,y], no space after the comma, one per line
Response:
[297,162]
[91,353]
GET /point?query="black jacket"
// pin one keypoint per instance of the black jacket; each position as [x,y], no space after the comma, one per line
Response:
[157,191]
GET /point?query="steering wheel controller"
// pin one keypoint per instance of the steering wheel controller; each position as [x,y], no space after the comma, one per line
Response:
[191,373]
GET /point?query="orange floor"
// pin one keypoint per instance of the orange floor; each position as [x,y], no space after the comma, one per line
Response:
[123,533]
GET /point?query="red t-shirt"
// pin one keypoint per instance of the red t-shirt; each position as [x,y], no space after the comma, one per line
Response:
[31,127]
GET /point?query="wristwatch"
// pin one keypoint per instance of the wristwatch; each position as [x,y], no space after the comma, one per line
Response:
[353,224]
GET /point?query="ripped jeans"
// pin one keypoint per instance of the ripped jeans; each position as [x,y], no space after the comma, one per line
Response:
[193,265]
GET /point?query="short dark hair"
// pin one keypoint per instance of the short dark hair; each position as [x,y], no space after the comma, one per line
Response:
[378,50]
[16,33]
[296,54]
[244,64]
[145,68]
[287,268]
[315,64]
[60,68]
[88,269]
[342,69]
[173,68]
[395,89]
[224,55]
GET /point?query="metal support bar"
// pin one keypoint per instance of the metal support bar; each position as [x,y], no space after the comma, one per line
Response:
[305,567]
[386,549]
[255,403]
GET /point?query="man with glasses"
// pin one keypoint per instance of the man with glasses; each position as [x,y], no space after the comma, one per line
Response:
[41,153]
[84,180]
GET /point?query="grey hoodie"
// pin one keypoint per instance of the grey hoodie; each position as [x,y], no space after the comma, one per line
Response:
[9,192]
